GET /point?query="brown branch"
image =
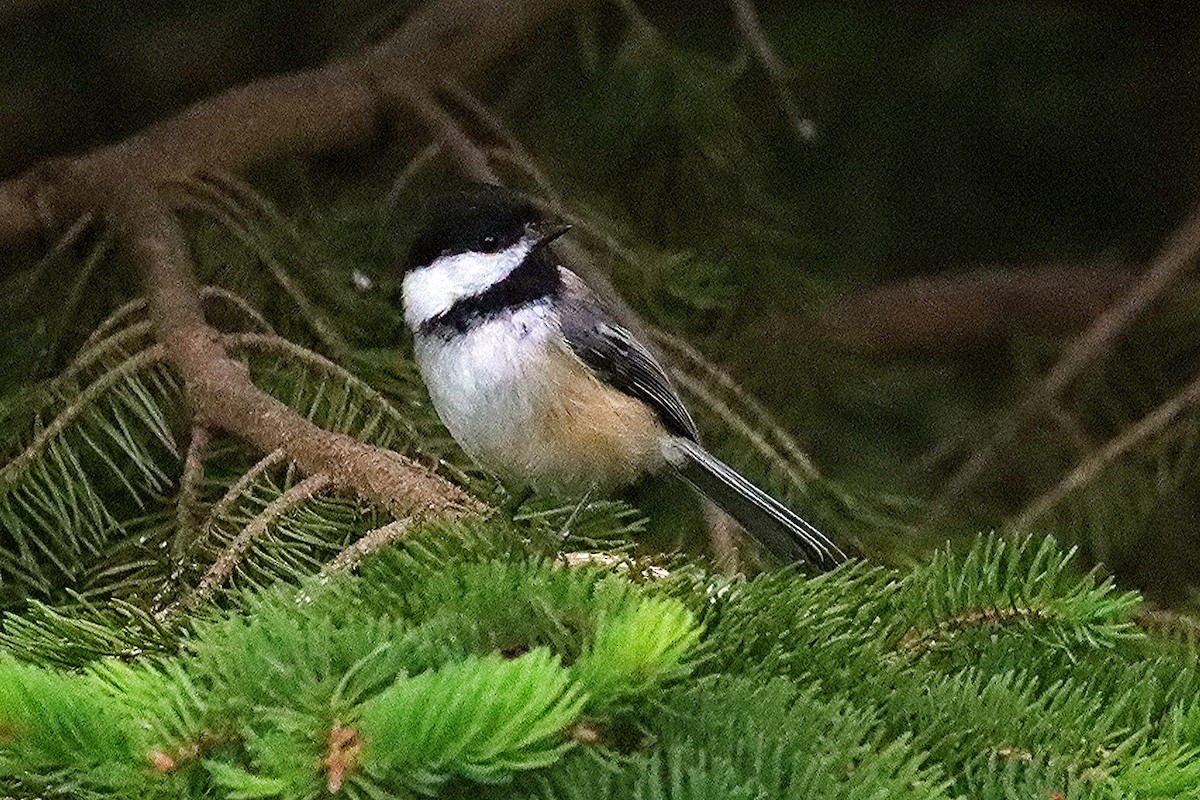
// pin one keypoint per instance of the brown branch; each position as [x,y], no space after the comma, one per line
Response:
[1176,256]
[370,542]
[191,485]
[222,569]
[953,313]
[294,115]
[1088,469]
[264,465]
[222,395]
[930,638]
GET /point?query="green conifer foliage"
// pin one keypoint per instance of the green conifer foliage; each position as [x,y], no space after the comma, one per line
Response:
[468,659]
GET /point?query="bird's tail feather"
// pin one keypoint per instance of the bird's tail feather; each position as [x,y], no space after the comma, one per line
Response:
[783,533]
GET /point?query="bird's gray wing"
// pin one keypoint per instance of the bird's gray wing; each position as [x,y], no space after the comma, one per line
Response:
[617,357]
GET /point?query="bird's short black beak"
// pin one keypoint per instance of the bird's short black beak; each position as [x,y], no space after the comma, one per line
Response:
[547,232]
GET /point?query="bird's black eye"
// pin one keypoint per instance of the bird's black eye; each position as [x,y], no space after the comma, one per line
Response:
[489,241]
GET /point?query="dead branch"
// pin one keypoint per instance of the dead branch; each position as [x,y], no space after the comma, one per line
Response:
[294,115]
[745,15]
[370,542]
[264,465]
[191,485]
[1176,256]
[953,313]
[1089,468]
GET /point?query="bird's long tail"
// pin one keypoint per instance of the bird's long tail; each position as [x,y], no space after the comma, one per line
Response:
[782,532]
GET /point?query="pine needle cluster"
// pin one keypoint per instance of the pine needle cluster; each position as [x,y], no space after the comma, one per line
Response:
[468,659]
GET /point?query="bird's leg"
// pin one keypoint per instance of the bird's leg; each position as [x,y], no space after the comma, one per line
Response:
[565,531]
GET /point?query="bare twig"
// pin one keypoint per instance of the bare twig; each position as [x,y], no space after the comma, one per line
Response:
[115,343]
[1176,256]
[370,542]
[798,458]
[746,17]
[469,158]
[227,561]
[191,486]
[747,431]
[411,170]
[114,321]
[68,238]
[1087,470]
[238,302]
[264,465]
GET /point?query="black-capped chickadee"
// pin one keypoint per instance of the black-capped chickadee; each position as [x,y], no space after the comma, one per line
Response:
[538,383]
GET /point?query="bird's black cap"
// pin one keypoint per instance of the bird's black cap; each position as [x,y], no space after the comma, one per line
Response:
[479,218]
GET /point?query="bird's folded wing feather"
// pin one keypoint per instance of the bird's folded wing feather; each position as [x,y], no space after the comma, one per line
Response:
[617,358]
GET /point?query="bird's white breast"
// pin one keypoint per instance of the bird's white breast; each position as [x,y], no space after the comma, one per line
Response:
[484,383]
[521,405]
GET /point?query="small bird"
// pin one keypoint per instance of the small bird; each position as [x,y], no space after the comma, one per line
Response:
[539,384]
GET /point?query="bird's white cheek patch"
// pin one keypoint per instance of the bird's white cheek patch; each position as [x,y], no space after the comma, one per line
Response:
[432,290]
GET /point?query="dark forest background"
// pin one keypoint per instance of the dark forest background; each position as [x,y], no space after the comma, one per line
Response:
[960,190]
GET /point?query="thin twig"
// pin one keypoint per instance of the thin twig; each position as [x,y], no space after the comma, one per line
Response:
[1087,470]
[468,157]
[268,462]
[302,355]
[191,486]
[114,343]
[735,421]
[495,127]
[726,381]
[745,15]
[238,302]
[406,176]
[115,320]
[60,246]
[1175,257]
[370,542]
[227,561]
[225,210]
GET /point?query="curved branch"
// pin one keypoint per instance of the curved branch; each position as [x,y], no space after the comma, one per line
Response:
[1089,468]
[294,115]
[1177,255]
[222,395]
[221,508]
[370,542]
